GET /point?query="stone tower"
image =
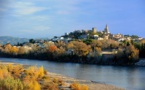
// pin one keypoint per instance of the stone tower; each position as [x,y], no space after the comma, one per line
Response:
[106,30]
[94,30]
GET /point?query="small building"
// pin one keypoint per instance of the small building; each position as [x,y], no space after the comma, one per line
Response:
[100,38]
[106,37]
[121,39]
[95,36]
[118,36]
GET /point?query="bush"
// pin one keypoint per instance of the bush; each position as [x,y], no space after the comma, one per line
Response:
[41,72]
[35,72]
[11,84]
[46,78]
[50,86]
[16,71]
[33,85]
[77,86]
[4,72]
[14,77]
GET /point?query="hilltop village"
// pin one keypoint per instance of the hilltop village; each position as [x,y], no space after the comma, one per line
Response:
[81,46]
[97,35]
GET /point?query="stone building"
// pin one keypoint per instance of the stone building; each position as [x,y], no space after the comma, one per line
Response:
[94,30]
[106,30]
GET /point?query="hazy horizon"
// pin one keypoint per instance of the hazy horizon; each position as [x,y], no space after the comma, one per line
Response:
[48,18]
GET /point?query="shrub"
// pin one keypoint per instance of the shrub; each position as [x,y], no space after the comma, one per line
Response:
[58,81]
[33,85]
[46,78]
[41,72]
[77,86]
[11,84]
[35,72]
[16,71]
[14,77]
[4,72]
[10,67]
[50,86]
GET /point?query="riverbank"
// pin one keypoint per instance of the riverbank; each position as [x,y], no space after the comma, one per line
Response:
[68,81]
[91,84]
[76,62]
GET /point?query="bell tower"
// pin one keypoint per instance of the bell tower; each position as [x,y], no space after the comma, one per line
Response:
[106,30]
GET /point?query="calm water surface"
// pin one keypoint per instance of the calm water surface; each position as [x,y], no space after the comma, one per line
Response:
[130,78]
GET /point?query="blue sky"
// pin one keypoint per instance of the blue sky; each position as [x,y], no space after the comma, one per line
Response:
[48,18]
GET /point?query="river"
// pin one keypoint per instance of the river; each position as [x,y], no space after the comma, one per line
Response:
[130,78]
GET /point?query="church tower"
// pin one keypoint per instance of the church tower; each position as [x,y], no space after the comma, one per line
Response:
[106,30]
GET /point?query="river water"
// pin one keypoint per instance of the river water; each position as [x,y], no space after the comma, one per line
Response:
[130,78]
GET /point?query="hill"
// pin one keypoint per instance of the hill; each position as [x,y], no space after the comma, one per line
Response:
[12,40]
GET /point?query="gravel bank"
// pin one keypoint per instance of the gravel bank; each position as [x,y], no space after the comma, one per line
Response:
[92,85]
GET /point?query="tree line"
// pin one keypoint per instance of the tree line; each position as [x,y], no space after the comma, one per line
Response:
[79,51]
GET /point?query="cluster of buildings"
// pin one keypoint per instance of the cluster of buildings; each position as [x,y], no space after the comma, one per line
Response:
[94,34]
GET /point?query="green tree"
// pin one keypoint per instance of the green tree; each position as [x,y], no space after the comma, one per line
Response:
[31,41]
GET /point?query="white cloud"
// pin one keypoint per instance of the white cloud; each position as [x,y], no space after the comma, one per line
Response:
[25,8]
[28,11]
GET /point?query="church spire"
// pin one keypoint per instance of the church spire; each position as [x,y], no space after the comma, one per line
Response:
[106,30]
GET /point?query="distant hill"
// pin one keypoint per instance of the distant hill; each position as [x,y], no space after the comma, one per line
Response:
[12,40]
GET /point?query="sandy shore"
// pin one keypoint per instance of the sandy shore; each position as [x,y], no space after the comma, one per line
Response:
[92,85]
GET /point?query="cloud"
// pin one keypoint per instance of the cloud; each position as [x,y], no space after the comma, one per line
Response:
[25,8]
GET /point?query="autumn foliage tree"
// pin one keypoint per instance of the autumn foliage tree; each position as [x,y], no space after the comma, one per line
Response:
[141,47]
[14,50]
[80,48]
[96,43]
[133,53]
[128,55]
[59,52]
[8,48]
[107,44]
[21,50]
[52,48]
